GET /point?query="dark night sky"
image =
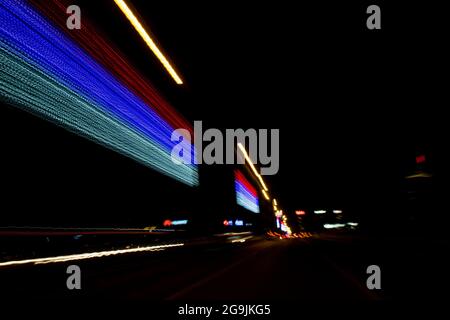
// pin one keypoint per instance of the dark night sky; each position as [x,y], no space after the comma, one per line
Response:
[353,106]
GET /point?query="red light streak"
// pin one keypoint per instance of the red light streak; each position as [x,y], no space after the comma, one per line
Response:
[110,57]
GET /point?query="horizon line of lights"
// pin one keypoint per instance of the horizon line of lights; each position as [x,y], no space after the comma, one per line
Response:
[147,39]
[88,255]
[249,161]
[47,74]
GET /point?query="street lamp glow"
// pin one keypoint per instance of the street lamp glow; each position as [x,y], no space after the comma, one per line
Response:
[147,39]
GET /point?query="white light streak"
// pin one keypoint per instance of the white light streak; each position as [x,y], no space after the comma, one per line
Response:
[89,255]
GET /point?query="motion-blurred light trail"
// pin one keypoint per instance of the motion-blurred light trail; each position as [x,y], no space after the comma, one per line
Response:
[89,255]
[107,54]
[247,158]
[148,40]
[241,240]
[246,195]
[333,225]
[47,74]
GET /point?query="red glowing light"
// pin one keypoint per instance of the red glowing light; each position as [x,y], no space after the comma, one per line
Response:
[225,222]
[167,223]
[420,159]
[300,212]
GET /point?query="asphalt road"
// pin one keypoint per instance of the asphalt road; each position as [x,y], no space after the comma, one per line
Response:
[322,268]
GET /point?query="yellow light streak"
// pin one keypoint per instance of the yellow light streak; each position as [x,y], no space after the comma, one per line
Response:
[148,40]
[247,158]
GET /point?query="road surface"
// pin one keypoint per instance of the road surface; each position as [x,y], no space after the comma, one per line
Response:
[324,267]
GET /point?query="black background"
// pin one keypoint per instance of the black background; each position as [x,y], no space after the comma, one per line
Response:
[354,107]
